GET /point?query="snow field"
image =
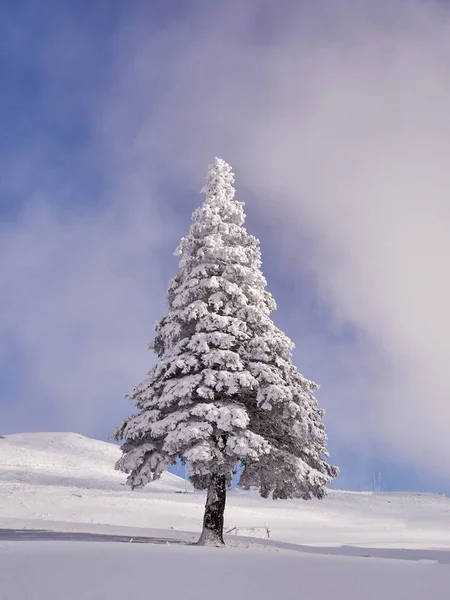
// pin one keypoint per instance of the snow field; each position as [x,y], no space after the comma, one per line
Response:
[349,546]
[99,571]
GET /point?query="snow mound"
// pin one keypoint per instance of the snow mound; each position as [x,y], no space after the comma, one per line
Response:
[67,459]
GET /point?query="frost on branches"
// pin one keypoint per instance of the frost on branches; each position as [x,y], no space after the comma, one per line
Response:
[224,389]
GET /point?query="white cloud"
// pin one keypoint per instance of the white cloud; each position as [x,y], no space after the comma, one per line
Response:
[80,255]
[78,297]
[337,119]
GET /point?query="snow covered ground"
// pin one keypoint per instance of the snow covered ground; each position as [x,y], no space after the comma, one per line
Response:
[59,494]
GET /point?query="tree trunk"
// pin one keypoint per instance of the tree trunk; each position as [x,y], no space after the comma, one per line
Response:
[212,534]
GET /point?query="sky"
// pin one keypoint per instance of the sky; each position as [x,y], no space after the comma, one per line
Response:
[334,116]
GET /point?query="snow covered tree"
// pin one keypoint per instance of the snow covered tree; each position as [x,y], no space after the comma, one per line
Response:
[224,390]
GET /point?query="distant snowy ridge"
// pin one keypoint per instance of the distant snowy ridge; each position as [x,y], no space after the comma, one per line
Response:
[66,459]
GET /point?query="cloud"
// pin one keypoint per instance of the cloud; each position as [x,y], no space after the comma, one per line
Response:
[336,117]
[80,243]
[76,303]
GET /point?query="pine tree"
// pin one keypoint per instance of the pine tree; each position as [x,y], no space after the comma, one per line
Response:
[224,390]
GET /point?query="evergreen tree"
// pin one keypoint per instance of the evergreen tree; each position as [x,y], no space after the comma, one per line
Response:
[224,390]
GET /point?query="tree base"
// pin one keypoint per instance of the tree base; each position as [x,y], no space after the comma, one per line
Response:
[210,539]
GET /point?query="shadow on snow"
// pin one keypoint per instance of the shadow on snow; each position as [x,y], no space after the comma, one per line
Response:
[30,535]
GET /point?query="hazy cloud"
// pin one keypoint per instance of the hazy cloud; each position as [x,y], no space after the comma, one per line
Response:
[335,116]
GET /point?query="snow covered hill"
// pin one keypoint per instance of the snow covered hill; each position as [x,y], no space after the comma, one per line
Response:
[59,493]
[66,459]
[68,478]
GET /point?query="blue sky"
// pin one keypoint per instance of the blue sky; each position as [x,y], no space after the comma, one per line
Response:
[336,123]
